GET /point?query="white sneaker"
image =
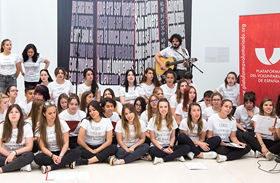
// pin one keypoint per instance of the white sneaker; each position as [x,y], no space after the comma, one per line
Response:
[190,155]
[270,156]
[181,158]
[209,155]
[157,160]
[26,168]
[251,153]
[258,154]
[221,158]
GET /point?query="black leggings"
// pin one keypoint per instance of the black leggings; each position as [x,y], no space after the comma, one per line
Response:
[232,153]
[69,157]
[240,133]
[102,155]
[213,143]
[178,150]
[272,146]
[21,161]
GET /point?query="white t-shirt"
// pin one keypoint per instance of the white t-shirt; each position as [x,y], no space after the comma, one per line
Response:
[73,121]
[56,89]
[119,107]
[203,106]
[163,136]
[269,137]
[16,102]
[193,85]
[208,112]
[193,135]
[114,119]
[132,94]
[168,92]
[144,116]
[8,64]
[32,69]
[170,52]
[83,88]
[24,107]
[2,116]
[242,114]
[231,92]
[51,135]
[148,90]
[12,144]
[96,132]
[221,127]
[179,110]
[133,140]
[173,101]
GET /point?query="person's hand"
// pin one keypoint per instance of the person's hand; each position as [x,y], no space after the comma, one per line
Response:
[167,150]
[162,66]
[55,159]
[272,129]
[58,160]
[131,149]
[131,102]
[204,146]
[250,113]
[223,144]
[264,149]
[186,63]
[10,158]
[242,144]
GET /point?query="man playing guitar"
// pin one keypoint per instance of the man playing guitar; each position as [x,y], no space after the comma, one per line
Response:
[176,41]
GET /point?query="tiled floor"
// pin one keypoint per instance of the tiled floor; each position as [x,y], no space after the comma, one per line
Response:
[243,170]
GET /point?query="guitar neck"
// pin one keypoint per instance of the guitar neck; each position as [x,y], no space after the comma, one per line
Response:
[191,60]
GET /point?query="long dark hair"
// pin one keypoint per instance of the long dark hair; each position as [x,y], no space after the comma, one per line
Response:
[230,117]
[136,122]
[143,103]
[199,122]
[84,104]
[155,80]
[3,43]
[7,129]
[24,53]
[61,96]
[126,81]
[49,79]
[226,82]
[33,115]
[94,87]
[96,105]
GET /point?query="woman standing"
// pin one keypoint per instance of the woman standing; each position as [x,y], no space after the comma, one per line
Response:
[224,126]
[60,85]
[15,142]
[31,63]
[162,130]
[9,66]
[95,136]
[130,132]
[53,138]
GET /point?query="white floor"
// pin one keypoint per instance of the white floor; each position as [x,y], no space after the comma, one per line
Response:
[243,170]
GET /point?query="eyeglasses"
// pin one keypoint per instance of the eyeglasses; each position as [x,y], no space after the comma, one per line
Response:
[216,100]
[154,100]
[13,90]
[138,105]
[49,103]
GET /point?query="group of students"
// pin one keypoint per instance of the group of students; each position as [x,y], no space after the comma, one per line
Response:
[152,122]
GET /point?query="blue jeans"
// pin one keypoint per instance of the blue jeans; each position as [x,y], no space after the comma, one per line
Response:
[7,80]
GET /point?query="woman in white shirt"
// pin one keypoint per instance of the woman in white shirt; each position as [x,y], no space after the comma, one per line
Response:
[224,126]
[162,131]
[170,87]
[73,117]
[109,93]
[267,145]
[60,85]
[12,92]
[159,92]
[15,142]
[95,136]
[53,138]
[4,104]
[130,90]
[182,108]
[244,114]
[216,100]
[9,65]
[90,85]
[193,132]
[149,81]
[130,132]
[179,96]
[45,77]
[31,63]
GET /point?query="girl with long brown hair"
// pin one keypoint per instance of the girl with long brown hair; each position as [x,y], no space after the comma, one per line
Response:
[86,98]
[53,138]
[62,103]
[179,96]
[224,126]
[130,132]
[193,132]
[162,130]
[15,142]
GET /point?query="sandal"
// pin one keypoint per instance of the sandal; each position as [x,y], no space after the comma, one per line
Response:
[72,165]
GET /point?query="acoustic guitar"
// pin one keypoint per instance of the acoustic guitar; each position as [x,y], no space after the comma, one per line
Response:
[170,64]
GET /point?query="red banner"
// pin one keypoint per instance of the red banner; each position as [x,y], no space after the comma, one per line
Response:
[259,50]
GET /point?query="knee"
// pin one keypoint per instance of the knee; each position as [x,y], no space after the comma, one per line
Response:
[218,139]
[113,148]
[186,147]
[181,137]
[77,152]
[145,147]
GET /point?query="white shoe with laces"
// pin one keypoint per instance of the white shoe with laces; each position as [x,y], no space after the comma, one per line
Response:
[258,154]
[251,153]
[26,168]
[221,158]
[157,160]
[209,155]
[190,155]
[270,156]
[181,158]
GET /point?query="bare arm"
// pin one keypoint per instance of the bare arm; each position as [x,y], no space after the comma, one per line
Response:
[123,101]
[239,126]
[109,136]
[178,118]
[98,96]
[65,143]
[47,62]
[173,112]
[120,141]
[140,141]
[238,100]
[19,69]
[157,56]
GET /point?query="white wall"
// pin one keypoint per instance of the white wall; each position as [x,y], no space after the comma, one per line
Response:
[214,24]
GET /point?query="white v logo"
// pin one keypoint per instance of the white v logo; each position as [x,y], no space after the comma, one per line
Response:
[260,53]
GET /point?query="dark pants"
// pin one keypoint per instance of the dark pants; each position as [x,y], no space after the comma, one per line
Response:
[102,155]
[129,157]
[29,84]
[239,134]
[7,80]
[213,142]
[73,142]
[272,146]
[69,157]
[35,146]
[148,141]
[178,150]
[21,160]
[232,153]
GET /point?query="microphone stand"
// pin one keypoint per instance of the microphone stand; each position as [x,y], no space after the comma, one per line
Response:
[190,64]
[78,54]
